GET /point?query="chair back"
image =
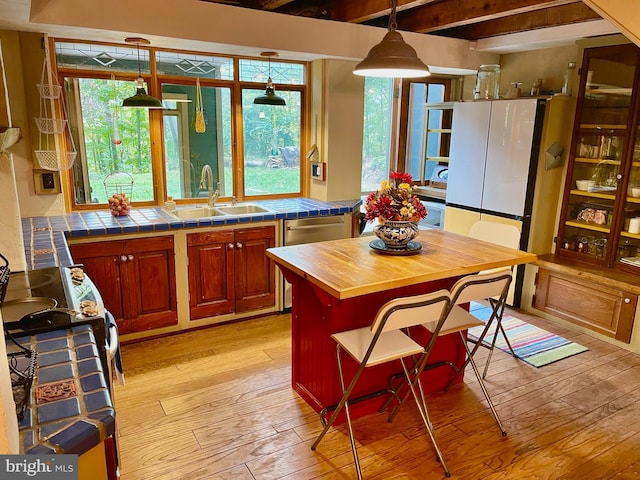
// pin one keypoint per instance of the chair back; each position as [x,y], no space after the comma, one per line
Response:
[497,233]
[481,286]
[409,311]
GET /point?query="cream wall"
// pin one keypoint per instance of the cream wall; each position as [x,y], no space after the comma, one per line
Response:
[526,67]
[338,103]
[23,58]
[9,441]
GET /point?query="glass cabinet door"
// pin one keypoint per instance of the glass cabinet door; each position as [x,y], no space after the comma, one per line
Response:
[599,158]
[628,252]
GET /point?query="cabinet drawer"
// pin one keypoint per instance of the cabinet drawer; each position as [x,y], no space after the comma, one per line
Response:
[597,307]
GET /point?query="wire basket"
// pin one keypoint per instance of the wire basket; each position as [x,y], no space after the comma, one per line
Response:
[54,160]
[53,126]
[118,182]
[49,91]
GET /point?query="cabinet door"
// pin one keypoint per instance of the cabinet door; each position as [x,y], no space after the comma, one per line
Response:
[597,307]
[102,263]
[598,196]
[150,283]
[254,272]
[211,265]
[509,154]
[468,153]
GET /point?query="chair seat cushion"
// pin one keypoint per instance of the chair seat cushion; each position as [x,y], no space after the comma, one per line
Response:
[391,345]
[457,320]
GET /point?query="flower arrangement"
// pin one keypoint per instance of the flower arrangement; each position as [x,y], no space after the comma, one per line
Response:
[395,201]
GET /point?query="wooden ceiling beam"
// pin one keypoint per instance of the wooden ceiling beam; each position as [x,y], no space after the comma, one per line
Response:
[549,17]
[363,10]
[274,4]
[455,13]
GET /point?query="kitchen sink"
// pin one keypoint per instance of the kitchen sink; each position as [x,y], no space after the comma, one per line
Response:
[196,212]
[241,209]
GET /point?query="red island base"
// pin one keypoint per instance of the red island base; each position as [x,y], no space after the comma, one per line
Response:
[315,315]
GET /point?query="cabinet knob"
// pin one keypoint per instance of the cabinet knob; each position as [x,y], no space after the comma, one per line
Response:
[619,176]
[130,258]
[123,258]
[238,245]
[627,300]
[230,246]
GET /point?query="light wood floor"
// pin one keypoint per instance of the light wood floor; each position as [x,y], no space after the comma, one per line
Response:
[217,404]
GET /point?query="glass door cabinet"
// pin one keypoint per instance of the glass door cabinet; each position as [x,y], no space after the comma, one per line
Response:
[600,218]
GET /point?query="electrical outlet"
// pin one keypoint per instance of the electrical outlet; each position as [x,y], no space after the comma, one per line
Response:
[48,181]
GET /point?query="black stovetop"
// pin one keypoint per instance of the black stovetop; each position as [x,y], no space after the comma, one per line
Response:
[44,282]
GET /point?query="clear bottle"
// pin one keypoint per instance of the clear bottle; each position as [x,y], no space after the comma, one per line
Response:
[487,82]
[568,78]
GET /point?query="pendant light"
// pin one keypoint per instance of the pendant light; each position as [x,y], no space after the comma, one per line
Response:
[269,96]
[140,99]
[392,57]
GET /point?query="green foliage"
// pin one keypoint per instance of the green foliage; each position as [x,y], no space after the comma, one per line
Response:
[103,117]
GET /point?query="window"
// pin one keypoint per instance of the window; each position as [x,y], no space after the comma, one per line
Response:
[271,144]
[377,132]
[160,149]
[186,151]
[428,130]
[109,139]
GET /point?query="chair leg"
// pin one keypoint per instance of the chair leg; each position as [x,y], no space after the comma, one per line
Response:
[483,387]
[499,329]
[422,408]
[343,404]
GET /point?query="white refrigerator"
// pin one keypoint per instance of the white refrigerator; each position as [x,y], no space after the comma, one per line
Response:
[493,160]
[494,153]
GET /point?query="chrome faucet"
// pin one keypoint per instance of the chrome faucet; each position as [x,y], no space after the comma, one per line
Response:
[233,200]
[206,180]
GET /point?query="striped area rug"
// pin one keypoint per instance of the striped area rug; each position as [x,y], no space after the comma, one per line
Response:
[533,345]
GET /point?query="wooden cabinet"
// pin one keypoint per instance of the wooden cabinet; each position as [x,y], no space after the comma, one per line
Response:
[600,218]
[229,271]
[136,279]
[585,300]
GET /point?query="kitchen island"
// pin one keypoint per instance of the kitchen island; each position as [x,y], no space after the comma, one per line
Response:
[339,285]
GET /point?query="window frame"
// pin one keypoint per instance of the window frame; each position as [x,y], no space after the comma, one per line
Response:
[403,129]
[154,83]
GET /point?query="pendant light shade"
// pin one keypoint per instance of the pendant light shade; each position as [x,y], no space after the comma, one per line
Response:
[269,96]
[392,57]
[140,99]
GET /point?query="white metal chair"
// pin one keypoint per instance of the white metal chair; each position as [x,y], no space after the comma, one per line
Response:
[385,342]
[469,288]
[506,236]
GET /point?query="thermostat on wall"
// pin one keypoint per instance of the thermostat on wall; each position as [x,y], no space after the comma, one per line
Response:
[318,170]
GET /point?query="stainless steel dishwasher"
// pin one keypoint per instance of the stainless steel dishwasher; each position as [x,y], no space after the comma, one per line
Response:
[316,229]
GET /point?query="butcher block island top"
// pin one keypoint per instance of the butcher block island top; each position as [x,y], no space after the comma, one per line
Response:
[349,267]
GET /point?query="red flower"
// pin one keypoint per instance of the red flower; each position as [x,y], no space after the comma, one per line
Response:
[392,203]
[402,176]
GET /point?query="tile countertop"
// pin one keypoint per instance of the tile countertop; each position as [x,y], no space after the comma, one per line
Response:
[70,410]
[45,238]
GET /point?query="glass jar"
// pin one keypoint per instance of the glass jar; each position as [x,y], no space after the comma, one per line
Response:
[568,78]
[487,82]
